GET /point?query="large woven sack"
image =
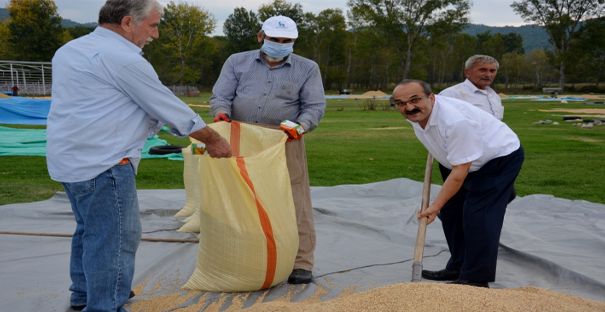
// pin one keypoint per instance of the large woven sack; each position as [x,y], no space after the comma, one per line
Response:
[248,231]
[191,179]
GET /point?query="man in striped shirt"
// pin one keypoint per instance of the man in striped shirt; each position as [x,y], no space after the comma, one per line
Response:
[268,86]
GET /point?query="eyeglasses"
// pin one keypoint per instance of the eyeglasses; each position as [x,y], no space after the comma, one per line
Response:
[412,101]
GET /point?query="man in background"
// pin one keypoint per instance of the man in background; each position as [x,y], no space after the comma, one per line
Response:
[268,86]
[106,100]
[480,72]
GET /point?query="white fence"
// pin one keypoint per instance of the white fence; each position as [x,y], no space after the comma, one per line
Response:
[32,78]
[35,79]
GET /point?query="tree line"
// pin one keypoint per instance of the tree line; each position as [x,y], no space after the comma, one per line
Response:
[375,44]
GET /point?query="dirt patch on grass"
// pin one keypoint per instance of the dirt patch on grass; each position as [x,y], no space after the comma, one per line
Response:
[578,111]
[584,139]
[587,112]
[198,105]
[388,128]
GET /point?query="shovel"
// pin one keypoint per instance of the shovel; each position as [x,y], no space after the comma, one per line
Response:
[420,237]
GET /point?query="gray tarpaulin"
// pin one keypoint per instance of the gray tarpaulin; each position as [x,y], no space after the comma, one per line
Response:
[365,239]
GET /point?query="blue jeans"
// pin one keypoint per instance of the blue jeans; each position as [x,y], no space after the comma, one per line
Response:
[106,239]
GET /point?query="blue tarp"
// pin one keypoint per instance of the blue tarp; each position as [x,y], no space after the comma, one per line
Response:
[24,111]
[32,142]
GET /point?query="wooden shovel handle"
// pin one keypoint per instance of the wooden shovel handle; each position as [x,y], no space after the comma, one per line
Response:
[426,194]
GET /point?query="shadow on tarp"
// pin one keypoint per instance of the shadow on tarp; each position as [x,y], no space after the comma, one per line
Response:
[366,236]
[24,111]
[32,142]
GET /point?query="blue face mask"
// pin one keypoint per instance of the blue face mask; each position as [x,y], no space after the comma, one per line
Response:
[275,49]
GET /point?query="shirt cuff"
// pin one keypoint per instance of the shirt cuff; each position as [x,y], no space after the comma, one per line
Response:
[154,127]
[197,124]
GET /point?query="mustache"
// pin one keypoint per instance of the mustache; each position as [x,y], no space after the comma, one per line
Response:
[414,111]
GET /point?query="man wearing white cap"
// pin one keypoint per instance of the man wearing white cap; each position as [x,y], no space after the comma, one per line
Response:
[268,86]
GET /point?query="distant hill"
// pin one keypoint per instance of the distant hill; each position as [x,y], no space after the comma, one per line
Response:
[3,14]
[534,37]
[67,23]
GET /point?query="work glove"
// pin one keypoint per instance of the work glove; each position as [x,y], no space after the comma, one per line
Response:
[293,130]
[222,117]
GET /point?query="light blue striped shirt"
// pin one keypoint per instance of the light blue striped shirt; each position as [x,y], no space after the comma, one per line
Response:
[248,89]
[105,97]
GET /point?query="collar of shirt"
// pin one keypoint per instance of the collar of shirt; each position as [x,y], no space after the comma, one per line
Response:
[104,32]
[261,58]
[474,88]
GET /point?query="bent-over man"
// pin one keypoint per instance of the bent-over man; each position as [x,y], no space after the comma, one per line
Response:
[485,157]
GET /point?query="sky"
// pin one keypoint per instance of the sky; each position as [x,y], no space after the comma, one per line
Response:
[487,12]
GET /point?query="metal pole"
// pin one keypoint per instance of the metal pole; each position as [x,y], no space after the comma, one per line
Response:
[43,83]
[24,81]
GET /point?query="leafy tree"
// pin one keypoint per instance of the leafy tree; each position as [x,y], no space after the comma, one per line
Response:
[536,62]
[79,31]
[241,28]
[35,29]
[183,35]
[464,47]
[332,29]
[511,64]
[281,7]
[513,43]
[560,19]
[494,46]
[5,51]
[591,41]
[404,22]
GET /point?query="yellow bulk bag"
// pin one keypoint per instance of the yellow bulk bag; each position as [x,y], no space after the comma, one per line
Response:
[248,232]
[191,179]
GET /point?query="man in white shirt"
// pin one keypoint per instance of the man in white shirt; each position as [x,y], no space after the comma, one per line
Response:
[106,99]
[485,157]
[480,72]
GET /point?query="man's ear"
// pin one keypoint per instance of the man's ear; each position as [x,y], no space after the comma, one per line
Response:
[467,73]
[259,36]
[126,23]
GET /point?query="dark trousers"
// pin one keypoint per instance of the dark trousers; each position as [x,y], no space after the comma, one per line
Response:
[472,219]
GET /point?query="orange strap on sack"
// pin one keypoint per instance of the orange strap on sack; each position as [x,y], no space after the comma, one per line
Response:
[262,213]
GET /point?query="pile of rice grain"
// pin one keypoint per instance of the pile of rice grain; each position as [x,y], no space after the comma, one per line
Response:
[397,297]
[441,297]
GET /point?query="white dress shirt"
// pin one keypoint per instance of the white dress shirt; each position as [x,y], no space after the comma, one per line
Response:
[105,99]
[458,132]
[488,100]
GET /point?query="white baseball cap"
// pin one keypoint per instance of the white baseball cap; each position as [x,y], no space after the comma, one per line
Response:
[280,27]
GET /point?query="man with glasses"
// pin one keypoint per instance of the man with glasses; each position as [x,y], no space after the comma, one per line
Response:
[266,87]
[484,156]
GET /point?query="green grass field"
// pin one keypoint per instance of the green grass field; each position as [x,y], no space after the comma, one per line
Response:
[356,146]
